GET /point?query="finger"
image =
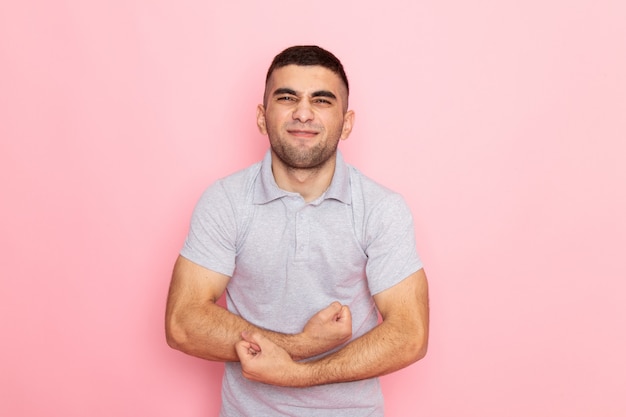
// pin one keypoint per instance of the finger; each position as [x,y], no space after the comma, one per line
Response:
[244,349]
[333,309]
[335,305]
[254,339]
[344,314]
[329,312]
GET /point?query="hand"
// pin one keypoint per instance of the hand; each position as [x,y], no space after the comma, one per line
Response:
[328,328]
[264,361]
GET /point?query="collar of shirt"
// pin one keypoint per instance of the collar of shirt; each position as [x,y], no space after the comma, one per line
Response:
[266,189]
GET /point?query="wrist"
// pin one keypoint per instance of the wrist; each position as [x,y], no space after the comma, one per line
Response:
[299,375]
[299,347]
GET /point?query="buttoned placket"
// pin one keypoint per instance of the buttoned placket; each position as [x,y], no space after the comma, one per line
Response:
[299,213]
[303,233]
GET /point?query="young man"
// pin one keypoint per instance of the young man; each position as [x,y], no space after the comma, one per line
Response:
[309,251]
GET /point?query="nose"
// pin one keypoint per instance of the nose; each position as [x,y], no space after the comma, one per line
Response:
[303,112]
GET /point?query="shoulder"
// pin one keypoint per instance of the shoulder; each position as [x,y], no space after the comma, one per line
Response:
[235,188]
[371,195]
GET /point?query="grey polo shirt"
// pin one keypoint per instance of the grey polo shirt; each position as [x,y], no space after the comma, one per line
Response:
[288,259]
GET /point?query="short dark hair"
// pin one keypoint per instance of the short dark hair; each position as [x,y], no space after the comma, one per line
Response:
[305,55]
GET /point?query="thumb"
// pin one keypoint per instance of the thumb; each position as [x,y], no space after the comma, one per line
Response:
[254,338]
[345,313]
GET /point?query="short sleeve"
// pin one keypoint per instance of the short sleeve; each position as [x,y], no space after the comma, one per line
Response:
[211,241]
[390,244]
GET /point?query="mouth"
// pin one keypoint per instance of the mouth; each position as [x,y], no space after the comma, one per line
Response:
[302,133]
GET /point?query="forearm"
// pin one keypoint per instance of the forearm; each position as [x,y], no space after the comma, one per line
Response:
[207,331]
[400,340]
[381,351]
[211,332]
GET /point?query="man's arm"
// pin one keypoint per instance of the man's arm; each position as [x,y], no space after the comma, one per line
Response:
[400,340]
[196,325]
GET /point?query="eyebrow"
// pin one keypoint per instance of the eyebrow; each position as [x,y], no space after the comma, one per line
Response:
[321,93]
[324,93]
[284,90]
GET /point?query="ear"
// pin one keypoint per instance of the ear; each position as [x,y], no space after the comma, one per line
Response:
[260,119]
[348,122]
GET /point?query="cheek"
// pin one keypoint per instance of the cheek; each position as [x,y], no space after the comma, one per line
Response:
[275,118]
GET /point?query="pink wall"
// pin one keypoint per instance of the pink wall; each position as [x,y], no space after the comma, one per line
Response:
[502,122]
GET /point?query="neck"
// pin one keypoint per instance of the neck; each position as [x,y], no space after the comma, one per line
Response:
[310,183]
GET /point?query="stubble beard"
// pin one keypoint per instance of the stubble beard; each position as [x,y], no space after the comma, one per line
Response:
[303,157]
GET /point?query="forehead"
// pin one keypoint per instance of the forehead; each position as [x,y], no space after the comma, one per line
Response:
[306,79]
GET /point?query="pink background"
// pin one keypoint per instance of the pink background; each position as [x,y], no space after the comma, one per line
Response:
[502,122]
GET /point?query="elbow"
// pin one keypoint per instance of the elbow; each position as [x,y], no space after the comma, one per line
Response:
[171,340]
[418,347]
[421,351]
[175,334]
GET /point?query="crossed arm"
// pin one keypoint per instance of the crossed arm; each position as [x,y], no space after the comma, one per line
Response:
[199,327]
[196,325]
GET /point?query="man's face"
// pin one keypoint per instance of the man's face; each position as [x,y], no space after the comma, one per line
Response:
[304,115]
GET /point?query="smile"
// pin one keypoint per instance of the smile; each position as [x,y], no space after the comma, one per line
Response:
[303,133]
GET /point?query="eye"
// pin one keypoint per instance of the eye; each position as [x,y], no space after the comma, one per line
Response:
[322,101]
[286,98]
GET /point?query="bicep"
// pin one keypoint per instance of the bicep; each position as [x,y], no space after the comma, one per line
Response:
[406,303]
[193,284]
